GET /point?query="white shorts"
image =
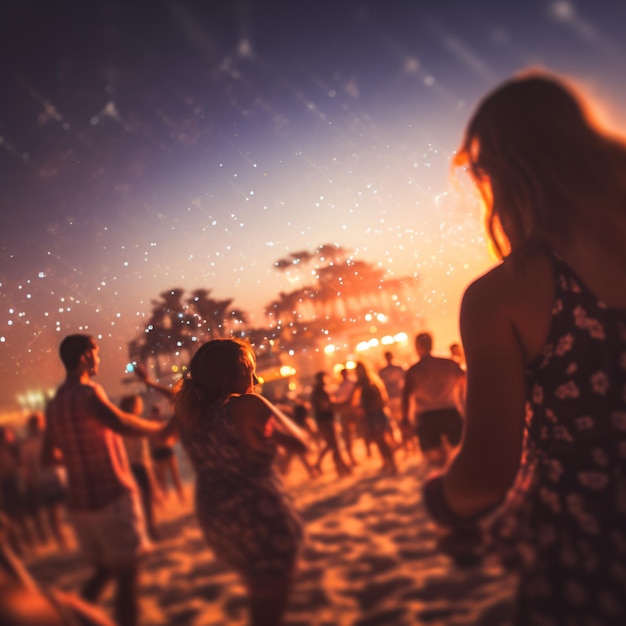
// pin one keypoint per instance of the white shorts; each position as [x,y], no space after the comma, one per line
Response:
[114,536]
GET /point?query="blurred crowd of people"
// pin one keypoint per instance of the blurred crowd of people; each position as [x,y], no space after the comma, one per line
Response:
[112,453]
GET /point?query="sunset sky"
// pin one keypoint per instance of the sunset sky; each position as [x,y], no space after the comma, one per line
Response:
[146,146]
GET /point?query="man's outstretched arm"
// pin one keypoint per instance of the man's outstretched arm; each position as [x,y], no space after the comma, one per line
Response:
[117,420]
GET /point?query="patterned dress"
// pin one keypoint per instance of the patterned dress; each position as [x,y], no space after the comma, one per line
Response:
[247,519]
[563,526]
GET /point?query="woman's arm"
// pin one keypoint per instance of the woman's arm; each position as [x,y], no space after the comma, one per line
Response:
[485,467]
[258,420]
[140,372]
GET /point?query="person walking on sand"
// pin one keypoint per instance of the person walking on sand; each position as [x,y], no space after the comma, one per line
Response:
[46,487]
[162,446]
[392,376]
[324,415]
[433,389]
[138,453]
[350,421]
[231,435]
[373,400]
[544,334]
[12,500]
[83,432]
[164,459]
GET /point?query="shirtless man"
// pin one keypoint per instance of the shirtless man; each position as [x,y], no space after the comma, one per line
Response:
[83,431]
[434,390]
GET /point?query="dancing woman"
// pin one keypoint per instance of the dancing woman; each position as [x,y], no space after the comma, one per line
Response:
[230,435]
[373,399]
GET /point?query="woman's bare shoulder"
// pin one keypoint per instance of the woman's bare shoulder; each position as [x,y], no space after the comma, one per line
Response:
[518,293]
[511,281]
[249,403]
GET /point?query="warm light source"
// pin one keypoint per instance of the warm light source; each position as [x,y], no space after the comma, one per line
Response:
[34,399]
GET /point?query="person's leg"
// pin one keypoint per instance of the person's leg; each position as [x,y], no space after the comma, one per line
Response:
[96,583]
[325,434]
[386,452]
[429,434]
[53,512]
[148,509]
[320,457]
[408,438]
[20,521]
[175,475]
[127,595]
[268,602]
[311,471]
[33,512]
[92,534]
[346,434]
[283,461]
[160,473]
[123,545]
[142,477]
[341,466]
[447,428]
[367,435]
[453,428]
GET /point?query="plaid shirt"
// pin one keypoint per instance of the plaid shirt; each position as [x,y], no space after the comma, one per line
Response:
[97,468]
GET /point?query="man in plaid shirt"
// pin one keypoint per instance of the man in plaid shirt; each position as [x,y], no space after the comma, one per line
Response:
[83,432]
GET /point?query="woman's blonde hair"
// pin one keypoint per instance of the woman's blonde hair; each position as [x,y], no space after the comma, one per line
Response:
[215,372]
[540,162]
[366,376]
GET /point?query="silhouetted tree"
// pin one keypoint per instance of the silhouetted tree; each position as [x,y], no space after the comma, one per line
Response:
[215,319]
[342,291]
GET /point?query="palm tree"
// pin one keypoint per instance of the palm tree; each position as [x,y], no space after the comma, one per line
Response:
[167,333]
[342,292]
[215,318]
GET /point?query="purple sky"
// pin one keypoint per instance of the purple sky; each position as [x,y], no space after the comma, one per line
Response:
[185,145]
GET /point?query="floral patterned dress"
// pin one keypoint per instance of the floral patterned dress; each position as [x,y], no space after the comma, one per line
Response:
[246,518]
[563,526]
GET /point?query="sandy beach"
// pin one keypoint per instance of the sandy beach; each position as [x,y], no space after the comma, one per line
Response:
[370,558]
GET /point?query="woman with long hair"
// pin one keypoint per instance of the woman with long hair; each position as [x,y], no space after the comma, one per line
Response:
[324,415]
[373,400]
[230,434]
[544,334]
